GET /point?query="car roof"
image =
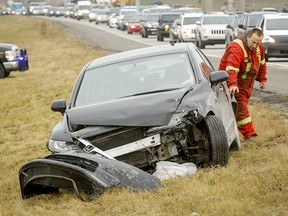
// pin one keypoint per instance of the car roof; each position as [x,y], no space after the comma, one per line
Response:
[140,53]
[192,14]
[215,14]
[260,12]
[276,15]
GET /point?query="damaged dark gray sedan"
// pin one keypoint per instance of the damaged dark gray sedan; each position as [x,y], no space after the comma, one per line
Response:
[162,103]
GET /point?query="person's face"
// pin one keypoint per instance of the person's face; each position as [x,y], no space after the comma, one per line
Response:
[253,41]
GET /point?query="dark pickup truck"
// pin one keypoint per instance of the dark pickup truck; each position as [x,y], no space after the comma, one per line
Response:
[12,59]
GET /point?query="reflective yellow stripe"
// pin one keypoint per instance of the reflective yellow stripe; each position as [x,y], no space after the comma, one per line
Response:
[258,54]
[248,66]
[242,46]
[232,68]
[244,121]
[262,62]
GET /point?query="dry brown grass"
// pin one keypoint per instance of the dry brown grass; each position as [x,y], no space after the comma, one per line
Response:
[254,183]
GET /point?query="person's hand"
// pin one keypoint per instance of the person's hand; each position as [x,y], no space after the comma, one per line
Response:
[234,89]
[262,85]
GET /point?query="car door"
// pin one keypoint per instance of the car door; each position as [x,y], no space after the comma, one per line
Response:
[223,107]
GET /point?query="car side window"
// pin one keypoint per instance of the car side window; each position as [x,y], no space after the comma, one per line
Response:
[262,24]
[205,65]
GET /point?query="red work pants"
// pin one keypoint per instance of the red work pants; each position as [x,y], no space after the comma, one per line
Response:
[244,121]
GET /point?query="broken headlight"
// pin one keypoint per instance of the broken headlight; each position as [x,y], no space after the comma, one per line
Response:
[57,146]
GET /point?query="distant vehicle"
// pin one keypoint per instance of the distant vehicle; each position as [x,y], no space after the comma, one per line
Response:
[12,59]
[149,24]
[69,8]
[59,11]
[249,20]
[83,9]
[134,24]
[112,20]
[101,16]
[92,15]
[285,8]
[122,24]
[173,31]
[187,26]
[164,23]
[122,13]
[275,29]
[231,32]
[210,29]
[17,8]
[45,9]
[38,5]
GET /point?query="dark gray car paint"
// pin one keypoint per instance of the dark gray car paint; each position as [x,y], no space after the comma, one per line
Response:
[144,110]
[81,172]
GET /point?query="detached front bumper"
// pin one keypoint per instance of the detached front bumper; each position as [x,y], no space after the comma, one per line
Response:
[81,172]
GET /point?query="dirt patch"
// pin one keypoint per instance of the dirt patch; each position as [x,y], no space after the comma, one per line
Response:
[280,101]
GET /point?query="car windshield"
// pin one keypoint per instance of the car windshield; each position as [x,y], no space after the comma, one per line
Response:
[140,76]
[135,19]
[277,24]
[233,21]
[152,18]
[101,12]
[190,20]
[84,7]
[128,12]
[214,20]
[253,20]
[170,17]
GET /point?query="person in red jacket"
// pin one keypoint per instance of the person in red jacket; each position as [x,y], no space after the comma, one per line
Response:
[244,60]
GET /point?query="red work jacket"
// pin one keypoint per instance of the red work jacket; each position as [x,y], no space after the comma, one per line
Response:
[242,66]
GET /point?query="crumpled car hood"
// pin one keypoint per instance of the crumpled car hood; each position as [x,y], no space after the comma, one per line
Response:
[144,110]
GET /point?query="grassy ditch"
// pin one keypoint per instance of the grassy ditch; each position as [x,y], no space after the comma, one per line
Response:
[254,183]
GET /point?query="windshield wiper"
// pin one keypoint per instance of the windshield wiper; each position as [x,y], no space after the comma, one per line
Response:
[151,92]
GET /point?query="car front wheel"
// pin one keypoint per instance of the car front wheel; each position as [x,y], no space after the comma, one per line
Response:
[214,131]
[160,37]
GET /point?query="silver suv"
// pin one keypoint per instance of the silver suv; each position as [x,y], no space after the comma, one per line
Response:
[187,25]
[275,29]
[210,29]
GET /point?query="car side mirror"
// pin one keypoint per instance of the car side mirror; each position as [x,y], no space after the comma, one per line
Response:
[217,77]
[59,106]
[241,26]
[229,26]
[198,23]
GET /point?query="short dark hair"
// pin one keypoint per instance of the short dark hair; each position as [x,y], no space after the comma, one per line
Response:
[256,31]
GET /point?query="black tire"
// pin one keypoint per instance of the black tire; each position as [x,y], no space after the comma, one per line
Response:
[266,58]
[161,38]
[218,144]
[145,34]
[2,72]
[7,74]
[201,44]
